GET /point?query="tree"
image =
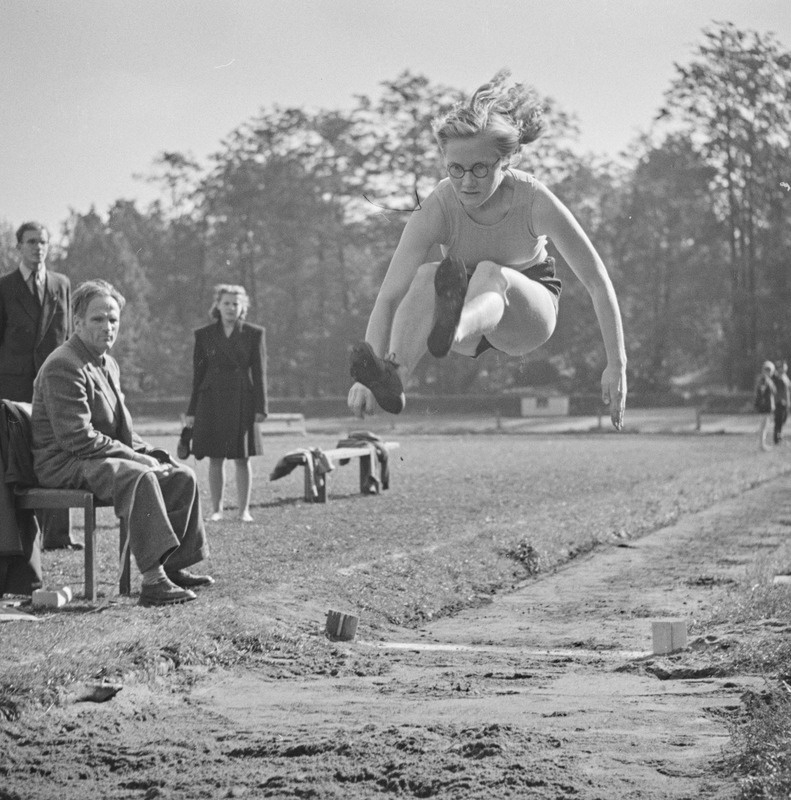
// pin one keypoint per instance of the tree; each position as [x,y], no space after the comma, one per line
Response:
[94,250]
[8,251]
[668,245]
[734,99]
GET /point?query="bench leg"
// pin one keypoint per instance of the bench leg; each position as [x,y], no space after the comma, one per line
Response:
[370,474]
[368,479]
[125,582]
[314,478]
[90,550]
[308,482]
[321,487]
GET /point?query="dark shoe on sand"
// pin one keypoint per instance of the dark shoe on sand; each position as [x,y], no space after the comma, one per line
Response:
[450,284]
[380,375]
[164,593]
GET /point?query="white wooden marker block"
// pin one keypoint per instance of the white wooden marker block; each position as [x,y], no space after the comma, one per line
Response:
[341,626]
[54,598]
[669,635]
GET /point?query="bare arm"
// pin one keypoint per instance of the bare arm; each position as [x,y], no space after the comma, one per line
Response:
[424,228]
[552,218]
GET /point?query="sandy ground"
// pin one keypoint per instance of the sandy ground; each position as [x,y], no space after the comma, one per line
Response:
[550,691]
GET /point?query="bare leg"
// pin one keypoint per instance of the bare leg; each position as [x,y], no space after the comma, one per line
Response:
[243,487]
[515,314]
[216,486]
[763,432]
[413,320]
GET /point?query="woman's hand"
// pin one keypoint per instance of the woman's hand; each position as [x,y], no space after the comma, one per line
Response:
[361,401]
[613,393]
[189,422]
[260,417]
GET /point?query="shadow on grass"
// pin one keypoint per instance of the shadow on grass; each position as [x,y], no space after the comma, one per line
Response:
[283,502]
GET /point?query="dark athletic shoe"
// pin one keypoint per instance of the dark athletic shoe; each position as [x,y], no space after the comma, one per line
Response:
[380,375]
[450,284]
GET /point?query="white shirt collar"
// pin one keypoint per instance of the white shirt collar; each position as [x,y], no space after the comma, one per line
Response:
[26,273]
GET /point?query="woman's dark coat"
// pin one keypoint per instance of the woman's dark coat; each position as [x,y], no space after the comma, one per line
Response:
[228,390]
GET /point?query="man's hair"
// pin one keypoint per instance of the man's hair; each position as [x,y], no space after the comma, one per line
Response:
[86,291]
[29,226]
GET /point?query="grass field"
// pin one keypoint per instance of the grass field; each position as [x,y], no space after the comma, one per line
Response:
[468,515]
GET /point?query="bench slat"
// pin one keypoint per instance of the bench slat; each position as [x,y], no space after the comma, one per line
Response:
[53,498]
[357,452]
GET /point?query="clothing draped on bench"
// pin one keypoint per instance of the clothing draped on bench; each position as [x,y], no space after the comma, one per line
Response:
[20,537]
[358,438]
[317,461]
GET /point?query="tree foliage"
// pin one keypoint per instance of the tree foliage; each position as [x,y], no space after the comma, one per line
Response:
[734,99]
[304,208]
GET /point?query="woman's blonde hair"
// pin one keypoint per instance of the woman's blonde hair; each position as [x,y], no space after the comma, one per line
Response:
[509,113]
[229,288]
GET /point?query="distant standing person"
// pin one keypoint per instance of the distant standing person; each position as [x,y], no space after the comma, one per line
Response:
[765,402]
[35,318]
[228,395]
[496,285]
[782,398]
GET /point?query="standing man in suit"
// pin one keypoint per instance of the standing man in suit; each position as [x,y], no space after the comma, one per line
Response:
[35,318]
[83,438]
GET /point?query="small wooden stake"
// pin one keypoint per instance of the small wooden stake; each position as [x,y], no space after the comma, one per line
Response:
[669,635]
[341,626]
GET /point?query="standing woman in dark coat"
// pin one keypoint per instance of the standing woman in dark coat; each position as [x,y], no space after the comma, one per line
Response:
[228,395]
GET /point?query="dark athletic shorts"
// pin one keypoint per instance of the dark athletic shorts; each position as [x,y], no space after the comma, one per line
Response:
[543,273]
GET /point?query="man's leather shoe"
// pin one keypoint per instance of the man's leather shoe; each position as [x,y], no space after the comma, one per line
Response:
[188,580]
[164,593]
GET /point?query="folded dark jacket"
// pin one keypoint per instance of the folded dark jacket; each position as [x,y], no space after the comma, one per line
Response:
[357,438]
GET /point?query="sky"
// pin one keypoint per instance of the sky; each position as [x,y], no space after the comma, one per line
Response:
[93,90]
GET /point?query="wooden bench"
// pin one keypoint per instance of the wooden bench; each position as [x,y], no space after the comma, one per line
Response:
[37,497]
[317,463]
[31,497]
[370,476]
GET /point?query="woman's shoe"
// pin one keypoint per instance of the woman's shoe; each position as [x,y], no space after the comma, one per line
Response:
[216,516]
[246,517]
[380,375]
[450,285]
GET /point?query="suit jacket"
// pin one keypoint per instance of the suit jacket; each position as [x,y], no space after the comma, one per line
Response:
[79,414]
[29,332]
[83,438]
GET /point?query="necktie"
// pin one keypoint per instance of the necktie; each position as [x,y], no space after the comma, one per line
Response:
[34,287]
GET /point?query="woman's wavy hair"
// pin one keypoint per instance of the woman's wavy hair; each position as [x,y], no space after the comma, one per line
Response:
[510,114]
[229,288]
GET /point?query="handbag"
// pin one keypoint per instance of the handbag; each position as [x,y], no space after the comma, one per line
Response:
[184,448]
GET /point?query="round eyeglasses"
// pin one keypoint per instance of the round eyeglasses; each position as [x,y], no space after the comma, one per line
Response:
[479,170]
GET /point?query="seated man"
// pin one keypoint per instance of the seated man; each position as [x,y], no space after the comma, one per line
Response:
[83,439]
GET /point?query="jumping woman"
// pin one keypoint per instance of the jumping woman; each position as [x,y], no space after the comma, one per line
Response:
[496,285]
